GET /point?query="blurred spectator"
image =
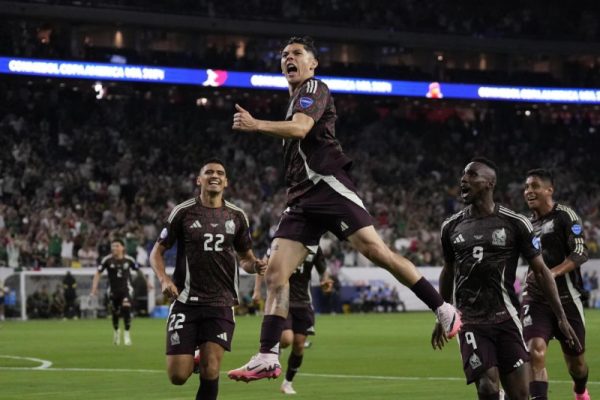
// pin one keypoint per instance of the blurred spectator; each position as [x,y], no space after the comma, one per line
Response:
[38,303]
[57,303]
[87,255]
[69,285]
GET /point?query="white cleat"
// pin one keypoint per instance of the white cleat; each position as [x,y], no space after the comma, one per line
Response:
[260,366]
[126,338]
[286,387]
[117,337]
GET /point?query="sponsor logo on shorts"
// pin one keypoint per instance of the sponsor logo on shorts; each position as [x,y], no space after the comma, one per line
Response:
[343,226]
[222,336]
[518,363]
[475,362]
[175,339]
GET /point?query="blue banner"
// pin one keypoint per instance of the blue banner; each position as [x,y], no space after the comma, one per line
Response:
[221,78]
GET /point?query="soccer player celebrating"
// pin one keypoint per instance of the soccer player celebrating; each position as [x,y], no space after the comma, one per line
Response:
[209,232]
[563,248]
[481,246]
[321,197]
[301,317]
[120,292]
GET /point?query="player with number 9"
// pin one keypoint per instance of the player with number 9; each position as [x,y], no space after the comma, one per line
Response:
[211,234]
[481,245]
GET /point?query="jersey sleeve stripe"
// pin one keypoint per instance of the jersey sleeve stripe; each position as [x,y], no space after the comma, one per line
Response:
[579,249]
[179,207]
[450,219]
[236,208]
[569,211]
[522,218]
[105,259]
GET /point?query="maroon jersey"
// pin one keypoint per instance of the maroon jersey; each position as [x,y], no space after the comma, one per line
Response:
[484,252]
[206,268]
[300,279]
[119,277]
[307,160]
[561,232]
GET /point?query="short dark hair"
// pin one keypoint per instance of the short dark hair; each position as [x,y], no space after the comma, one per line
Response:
[543,174]
[118,240]
[486,161]
[307,42]
[212,160]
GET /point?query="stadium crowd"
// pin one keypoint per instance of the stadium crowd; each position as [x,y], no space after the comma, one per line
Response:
[169,47]
[76,171]
[540,20]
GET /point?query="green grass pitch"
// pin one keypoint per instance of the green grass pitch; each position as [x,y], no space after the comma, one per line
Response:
[376,356]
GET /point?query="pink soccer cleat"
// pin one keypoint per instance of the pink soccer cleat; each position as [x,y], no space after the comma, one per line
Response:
[584,396]
[196,361]
[449,317]
[260,366]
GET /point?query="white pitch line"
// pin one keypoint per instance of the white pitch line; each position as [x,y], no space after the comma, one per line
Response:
[336,376]
[44,364]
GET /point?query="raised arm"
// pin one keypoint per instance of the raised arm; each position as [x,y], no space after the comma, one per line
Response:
[297,128]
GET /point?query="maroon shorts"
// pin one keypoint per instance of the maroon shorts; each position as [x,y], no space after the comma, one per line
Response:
[331,205]
[301,320]
[539,321]
[495,345]
[118,298]
[189,326]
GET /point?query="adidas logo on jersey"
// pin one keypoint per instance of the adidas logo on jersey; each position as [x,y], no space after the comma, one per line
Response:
[459,239]
[196,224]
[222,336]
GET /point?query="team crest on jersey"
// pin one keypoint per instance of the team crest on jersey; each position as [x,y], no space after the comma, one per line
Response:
[306,102]
[475,362]
[112,265]
[576,229]
[175,339]
[229,227]
[548,227]
[499,237]
[527,321]
[536,242]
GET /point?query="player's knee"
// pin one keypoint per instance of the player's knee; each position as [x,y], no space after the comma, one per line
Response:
[537,351]
[287,338]
[298,348]
[577,367]
[178,377]
[209,369]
